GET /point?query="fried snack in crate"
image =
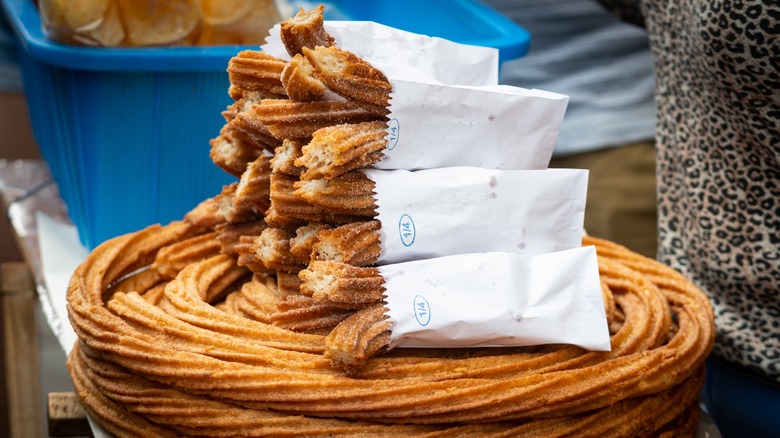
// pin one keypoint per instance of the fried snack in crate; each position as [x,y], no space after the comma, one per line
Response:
[344,285]
[336,150]
[299,81]
[306,237]
[286,119]
[249,29]
[173,258]
[85,22]
[356,244]
[285,157]
[351,77]
[155,23]
[253,70]
[358,338]
[216,12]
[286,204]
[232,150]
[305,29]
[349,194]
[229,235]
[272,247]
[76,15]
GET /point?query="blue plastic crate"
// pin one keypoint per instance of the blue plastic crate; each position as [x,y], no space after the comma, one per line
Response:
[125,131]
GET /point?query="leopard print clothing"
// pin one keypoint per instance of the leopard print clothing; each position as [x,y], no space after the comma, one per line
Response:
[717,68]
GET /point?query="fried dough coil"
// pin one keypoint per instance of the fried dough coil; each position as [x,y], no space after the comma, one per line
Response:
[173,258]
[351,77]
[335,150]
[199,349]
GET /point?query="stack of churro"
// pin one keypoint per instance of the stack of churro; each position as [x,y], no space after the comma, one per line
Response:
[241,319]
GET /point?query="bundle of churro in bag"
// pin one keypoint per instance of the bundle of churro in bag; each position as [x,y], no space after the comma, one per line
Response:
[469,175]
[441,100]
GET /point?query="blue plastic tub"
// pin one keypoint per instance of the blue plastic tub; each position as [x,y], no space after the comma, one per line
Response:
[126,131]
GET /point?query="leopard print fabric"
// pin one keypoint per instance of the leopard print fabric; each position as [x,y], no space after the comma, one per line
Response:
[718,140]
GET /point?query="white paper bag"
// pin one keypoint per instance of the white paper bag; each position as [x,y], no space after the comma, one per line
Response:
[459,210]
[497,127]
[497,299]
[390,49]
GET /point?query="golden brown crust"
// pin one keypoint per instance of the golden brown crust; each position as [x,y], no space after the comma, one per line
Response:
[287,283]
[173,258]
[299,81]
[358,338]
[285,157]
[287,119]
[272,247]
[195,348]
[229,235]
[306,237]
[247,256]
[253,128]
[254,187]
[232,151]
[233,208]
[277,220]
[350,194]
[356,244]
[305,29]
[336,150]
[253,70]
[343,285]
[286,203]
[206,214]
[351,77]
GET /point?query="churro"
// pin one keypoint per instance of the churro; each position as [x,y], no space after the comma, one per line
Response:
[232,150]
[253,70]
[305,29]
[287,119]
[356,244]
[335,150]
[350,194]
[299,81]
[343,285]
[351,77]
